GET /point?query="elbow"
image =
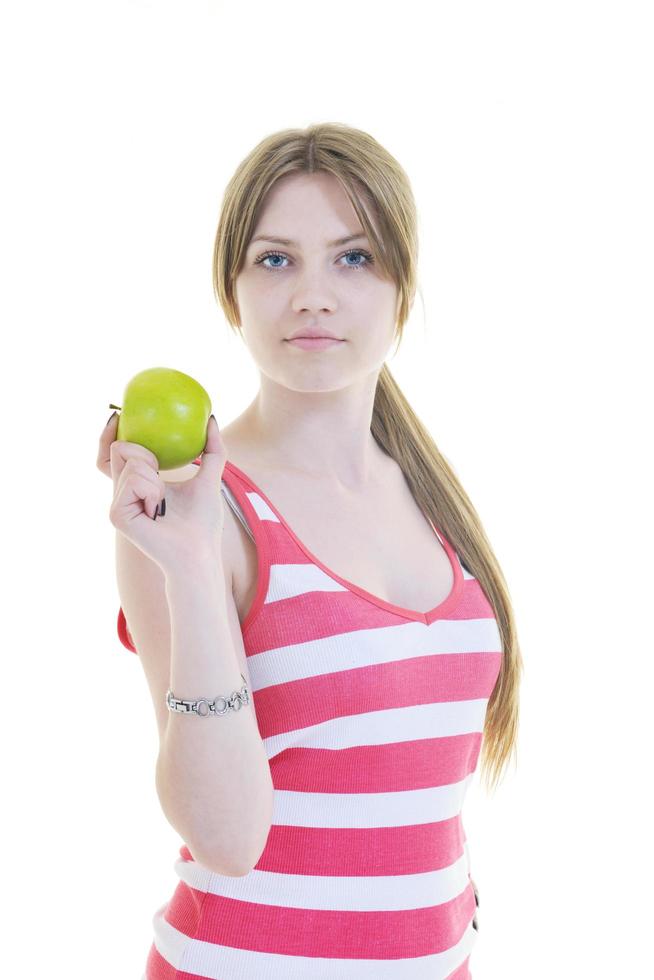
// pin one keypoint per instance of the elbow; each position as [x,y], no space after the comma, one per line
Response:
[233,865]
[231,869]
[236,861]
[234,846]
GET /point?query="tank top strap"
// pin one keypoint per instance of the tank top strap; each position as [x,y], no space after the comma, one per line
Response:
[276,544]
[279,556]
[273,541]
[236,507]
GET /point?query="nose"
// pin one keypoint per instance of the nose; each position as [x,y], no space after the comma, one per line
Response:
[312,293]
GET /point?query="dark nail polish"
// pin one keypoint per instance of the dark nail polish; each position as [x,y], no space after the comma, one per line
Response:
[156,513]
[109,419]
[163,506]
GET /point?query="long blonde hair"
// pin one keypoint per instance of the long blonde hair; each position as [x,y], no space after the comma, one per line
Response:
[369,173]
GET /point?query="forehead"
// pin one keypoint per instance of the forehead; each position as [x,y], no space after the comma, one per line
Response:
[282,240]
[303,208]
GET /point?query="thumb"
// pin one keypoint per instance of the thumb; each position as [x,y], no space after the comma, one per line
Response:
[213,455]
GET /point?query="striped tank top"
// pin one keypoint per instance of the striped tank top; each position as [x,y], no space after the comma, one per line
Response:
[372,717]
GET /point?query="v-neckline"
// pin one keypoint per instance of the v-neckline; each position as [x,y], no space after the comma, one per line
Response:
[438,611]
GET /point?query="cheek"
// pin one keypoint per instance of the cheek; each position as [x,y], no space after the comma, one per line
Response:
[375,293]
[267,292]
[257,296]
[378,303]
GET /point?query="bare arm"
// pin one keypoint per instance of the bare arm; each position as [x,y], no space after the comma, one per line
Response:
[212,774]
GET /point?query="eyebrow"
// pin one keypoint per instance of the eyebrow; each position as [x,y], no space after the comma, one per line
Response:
[287,241]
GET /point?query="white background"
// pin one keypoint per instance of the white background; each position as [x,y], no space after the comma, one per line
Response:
[526,132]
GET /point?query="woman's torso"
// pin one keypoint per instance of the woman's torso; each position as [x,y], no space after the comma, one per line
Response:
[372,653]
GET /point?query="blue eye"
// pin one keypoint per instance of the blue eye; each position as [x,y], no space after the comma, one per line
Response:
[267,255]
[358,251]
[280,255]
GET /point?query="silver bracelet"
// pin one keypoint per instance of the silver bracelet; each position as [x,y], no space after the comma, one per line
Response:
[218,706]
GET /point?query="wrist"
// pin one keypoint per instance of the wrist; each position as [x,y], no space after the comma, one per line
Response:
[204,569]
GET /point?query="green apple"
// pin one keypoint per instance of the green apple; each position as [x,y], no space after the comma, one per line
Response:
[166,411]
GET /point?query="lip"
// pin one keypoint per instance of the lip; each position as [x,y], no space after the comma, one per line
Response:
[314,343]
[313,331]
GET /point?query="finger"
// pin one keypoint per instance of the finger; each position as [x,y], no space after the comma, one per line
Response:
[120,451]
[137,469]
[106,438]
[213,455]
[136,494]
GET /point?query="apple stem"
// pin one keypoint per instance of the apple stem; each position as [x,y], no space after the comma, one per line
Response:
[115,406]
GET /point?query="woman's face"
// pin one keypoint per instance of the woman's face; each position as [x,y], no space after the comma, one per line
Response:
[313,283]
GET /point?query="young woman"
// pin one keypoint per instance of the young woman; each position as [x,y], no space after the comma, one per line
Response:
[346,598]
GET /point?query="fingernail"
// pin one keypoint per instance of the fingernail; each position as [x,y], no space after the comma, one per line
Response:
[163,506]
[156,513]
[109,419]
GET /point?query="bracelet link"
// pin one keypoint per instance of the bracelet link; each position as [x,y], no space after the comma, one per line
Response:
[204,707]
